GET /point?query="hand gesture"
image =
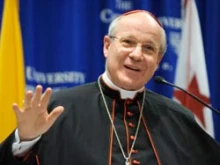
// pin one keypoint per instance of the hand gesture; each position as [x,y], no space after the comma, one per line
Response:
[33,118]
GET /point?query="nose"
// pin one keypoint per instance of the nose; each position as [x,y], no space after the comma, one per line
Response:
[136,53]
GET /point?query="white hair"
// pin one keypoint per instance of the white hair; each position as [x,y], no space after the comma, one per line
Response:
[113,25]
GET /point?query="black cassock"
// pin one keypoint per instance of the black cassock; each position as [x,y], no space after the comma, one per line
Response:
[83,134]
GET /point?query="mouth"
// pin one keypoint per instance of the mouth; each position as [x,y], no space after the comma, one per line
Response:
[132,68]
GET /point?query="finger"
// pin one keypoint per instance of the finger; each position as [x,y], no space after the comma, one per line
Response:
[37,96]
[55,114]
[16,109]
[46,97]
[27,100]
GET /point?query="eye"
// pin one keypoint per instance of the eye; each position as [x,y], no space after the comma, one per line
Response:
[128,42]
[149,49]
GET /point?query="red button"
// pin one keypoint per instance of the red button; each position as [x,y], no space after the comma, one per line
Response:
[130,114]
[131,125]
[129,101]
[132,137]
[134,151]
[136,162]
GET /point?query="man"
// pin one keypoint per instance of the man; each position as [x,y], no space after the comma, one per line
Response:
[115,120]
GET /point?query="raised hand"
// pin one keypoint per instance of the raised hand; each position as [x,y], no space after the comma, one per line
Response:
[33,118]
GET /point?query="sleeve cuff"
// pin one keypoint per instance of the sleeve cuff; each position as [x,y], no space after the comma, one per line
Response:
[20,148]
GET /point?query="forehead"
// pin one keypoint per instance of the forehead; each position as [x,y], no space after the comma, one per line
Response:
[140,25]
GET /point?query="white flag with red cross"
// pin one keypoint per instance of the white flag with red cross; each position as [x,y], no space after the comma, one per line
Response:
[191,73]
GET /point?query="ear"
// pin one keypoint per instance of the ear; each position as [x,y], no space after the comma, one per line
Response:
[106,42]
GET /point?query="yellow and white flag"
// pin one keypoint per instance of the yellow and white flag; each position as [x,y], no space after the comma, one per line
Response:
[12,80]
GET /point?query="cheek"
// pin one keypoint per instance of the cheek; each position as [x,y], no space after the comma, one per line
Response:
[114,61]
[151,64]
[151,61]
[118,58]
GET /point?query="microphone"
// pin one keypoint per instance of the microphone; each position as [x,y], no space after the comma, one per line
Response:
[161,80]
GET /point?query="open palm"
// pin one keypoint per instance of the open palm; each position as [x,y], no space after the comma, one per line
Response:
[33,118]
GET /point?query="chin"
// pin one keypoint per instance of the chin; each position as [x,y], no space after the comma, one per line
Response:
[129,84]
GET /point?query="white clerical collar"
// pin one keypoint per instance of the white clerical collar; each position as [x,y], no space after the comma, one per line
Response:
[124,93]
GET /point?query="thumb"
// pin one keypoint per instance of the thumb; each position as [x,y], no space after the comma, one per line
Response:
[56,112]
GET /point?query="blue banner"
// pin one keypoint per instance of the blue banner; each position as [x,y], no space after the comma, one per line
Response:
[63,41]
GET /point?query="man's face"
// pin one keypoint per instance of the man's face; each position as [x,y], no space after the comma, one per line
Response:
[132,53]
